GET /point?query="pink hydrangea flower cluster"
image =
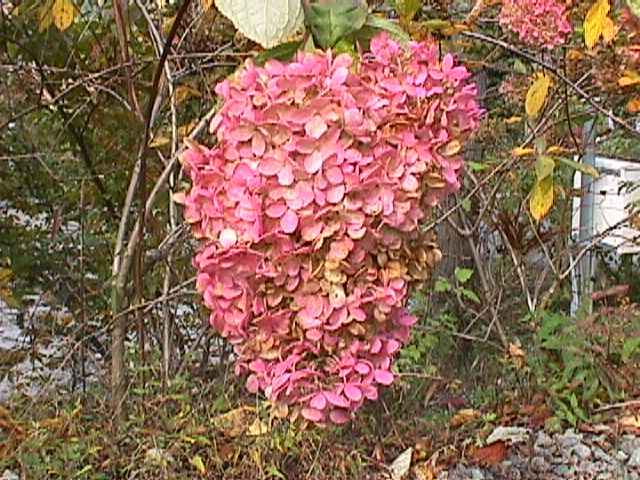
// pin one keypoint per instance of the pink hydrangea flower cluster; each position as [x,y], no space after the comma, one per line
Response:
[537,22]
[309,208]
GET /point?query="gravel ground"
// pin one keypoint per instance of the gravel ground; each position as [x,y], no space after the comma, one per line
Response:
[569,455]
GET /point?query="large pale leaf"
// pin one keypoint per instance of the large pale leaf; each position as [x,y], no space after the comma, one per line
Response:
[595,22]
[537,94]
[541,199]
[267,22]
[331,21]
[63,13]
[634,6]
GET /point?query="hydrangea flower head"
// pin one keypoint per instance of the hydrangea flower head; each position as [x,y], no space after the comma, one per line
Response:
[308,210]
[537,22]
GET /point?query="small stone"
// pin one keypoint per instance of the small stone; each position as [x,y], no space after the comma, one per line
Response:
[562,471]
[539,464]
[629,444]
[605,476]
[621,456]
[601,455]
[543,440]
[9,475]
[569,439]
[634,461]
[582,451]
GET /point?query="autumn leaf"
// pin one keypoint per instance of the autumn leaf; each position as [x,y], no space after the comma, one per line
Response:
[199,464]
[464,416]
[491,455]
[45,16]
[629,78]
[519,152]
[63,13]
[541,199]
[595,22]
[537,94]
[633,106]
[206,4]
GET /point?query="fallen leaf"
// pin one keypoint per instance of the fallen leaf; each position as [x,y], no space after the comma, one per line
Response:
[634,105]
[199,464]
[235,422]
[257,428]
[492,454]
[630,423]
[509,434]
[629,79]
[401,465]
[464,416]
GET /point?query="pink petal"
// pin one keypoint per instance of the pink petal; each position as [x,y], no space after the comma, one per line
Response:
[334,175]
[252,384]
[313,163]
[285,176]
[352,392]
[241,134]
[384,377]
[337,400]
[318,402]
[339,416]
[335,194]
[289,222]
[313,334]
[258,145]
[362,368]
[312,414]
[228,238]
[316,127]
[276,210]
[270,166]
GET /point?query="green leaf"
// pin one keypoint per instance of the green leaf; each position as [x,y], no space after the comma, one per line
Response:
[544,166]
[634,6]
[476,166]
[283,52]
[199,464]
[442,285]
[379,23]
[463,275]
[407,9]
[581,167]
[267,22]
[630,347]
[470,294]
[329,22]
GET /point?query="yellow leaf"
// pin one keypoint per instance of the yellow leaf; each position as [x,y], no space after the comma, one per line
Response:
[609,30]
[537,94]
[158,142]
[634,105]
[183,92]
[594,23]
[541,199]
[556,149]
[206,4]
[630,78]
[512,120]
[464,416]
[199,464]
[257,428]
[64,12]
[45,16]
[522,152]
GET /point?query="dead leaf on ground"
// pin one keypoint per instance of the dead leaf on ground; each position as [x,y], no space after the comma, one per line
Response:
[630,423]
[464,416]
[401,465]
[491,455]
[235,422]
